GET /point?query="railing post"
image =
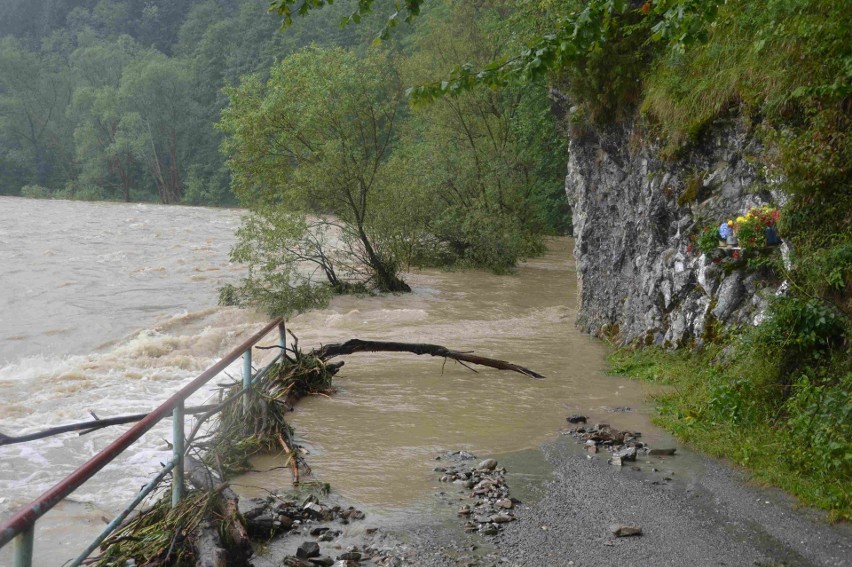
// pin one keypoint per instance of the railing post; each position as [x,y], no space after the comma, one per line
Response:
[178,450]
[246,379]
[282,336]
[24,547]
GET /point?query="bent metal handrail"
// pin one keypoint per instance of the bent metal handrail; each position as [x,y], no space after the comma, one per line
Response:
[22,523]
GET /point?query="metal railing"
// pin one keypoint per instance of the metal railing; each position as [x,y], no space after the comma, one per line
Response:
[20,528]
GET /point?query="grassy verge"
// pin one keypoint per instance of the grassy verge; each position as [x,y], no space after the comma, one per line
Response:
[732,405]
[773,398]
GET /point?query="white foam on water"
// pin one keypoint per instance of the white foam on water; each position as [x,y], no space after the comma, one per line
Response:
[134,376]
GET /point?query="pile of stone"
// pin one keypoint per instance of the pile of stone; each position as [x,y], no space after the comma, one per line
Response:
[623,445]
[490,505]
[268,517]
[274,515]
[309,555]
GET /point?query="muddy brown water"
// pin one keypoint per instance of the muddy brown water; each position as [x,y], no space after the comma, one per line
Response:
[111,307]
[376,440]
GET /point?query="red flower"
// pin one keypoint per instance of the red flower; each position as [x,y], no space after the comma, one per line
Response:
[736,255]
[646,7]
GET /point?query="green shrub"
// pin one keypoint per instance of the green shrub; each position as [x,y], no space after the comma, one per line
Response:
[738,406]
[707,241]
[800,327]
[36,192]
[820,424]
[89,193]
[478,238]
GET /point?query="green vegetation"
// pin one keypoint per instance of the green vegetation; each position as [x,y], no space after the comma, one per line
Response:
[117,99]
[776,397]
[317,137]
[349,185]
[788,420]
[707,240]
[206,102]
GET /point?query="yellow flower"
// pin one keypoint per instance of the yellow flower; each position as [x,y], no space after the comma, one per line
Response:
[741,220]
[730,223]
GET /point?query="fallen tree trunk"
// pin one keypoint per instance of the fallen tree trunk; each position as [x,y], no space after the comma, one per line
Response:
[357,345]
[209,546]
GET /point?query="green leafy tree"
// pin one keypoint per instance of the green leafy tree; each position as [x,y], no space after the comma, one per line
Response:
[35,89]
[107,155]
[283,253]
[161,118]
[491,159]
[105,148]
[316,138]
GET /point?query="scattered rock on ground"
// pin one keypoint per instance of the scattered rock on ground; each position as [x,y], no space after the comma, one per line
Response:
[489,505]
[308,549]
[624,445]
[625,530]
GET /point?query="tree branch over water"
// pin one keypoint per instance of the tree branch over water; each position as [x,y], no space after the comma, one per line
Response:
[357,345]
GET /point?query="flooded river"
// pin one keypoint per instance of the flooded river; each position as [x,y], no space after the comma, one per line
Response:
[111,307]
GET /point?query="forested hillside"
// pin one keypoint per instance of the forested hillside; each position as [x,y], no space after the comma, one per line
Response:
[103,99]
[109,99]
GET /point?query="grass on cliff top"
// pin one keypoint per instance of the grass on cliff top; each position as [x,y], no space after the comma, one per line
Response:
[773,58]
[789,437]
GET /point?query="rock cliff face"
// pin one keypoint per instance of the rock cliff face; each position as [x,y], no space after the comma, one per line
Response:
[640,280]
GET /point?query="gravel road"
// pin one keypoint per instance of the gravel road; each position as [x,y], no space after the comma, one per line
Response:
[702,514]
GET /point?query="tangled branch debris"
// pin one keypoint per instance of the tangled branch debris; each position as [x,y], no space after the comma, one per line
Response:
[161,535]
[206,527]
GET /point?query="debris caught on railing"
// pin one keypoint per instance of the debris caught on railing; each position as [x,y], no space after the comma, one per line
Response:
[249,421]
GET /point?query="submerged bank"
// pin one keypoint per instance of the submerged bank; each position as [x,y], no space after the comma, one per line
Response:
[374,442]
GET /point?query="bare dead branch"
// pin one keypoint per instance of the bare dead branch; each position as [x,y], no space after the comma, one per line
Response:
[357,345]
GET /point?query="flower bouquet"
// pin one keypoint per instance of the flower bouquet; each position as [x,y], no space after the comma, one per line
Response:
[756,228]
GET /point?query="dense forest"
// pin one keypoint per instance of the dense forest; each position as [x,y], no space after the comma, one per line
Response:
[103,99]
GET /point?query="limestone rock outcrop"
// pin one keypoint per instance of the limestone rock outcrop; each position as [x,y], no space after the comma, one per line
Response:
[640,279]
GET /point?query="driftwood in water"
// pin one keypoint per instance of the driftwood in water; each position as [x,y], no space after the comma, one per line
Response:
[209,547]
[88,426]
[324,353]
[357,345]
